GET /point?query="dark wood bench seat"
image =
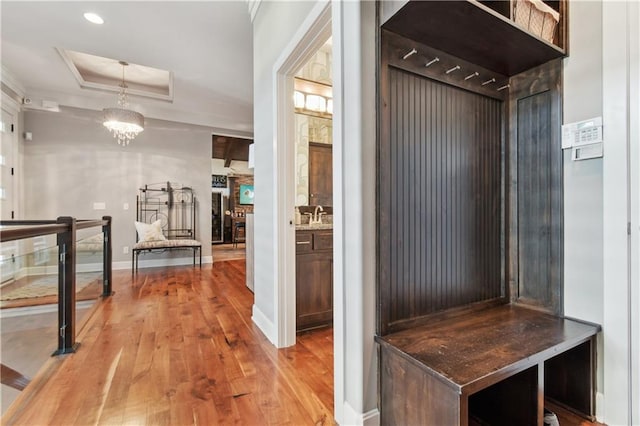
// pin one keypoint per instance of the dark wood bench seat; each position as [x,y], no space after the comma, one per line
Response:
[497,363]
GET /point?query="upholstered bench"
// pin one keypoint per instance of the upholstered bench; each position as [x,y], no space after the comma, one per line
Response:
[154,240]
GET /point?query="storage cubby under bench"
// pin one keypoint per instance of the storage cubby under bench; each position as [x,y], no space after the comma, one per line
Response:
[495,366]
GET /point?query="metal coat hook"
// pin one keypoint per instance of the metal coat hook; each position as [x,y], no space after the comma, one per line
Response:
[470,76]
[493,80]
[506,86]
[412,52]
[457,67]
[431,62]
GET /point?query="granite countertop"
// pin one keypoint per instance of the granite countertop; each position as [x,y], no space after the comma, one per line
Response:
[307,227]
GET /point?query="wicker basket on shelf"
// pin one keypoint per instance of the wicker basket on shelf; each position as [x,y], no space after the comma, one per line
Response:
[537,17]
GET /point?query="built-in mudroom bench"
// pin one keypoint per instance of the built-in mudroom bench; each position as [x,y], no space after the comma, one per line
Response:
[495,366]
[470,321]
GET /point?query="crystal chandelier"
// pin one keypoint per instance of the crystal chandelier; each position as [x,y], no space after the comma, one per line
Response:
[123,123]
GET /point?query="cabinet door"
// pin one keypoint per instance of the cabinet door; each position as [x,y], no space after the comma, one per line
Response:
[304,242]
[314,288]
[536,226]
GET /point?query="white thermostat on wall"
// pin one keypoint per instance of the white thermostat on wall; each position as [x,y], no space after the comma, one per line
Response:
[580,133]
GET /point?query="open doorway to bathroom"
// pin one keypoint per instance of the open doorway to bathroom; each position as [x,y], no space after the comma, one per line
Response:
[313,134]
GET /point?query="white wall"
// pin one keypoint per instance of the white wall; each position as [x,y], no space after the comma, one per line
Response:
[621,100]
[354,150]
[583,179]
[354,173]
[583,192]
[273,27]
[73,162]
[601,278]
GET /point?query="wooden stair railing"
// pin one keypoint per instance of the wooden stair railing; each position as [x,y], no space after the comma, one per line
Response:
[13,378]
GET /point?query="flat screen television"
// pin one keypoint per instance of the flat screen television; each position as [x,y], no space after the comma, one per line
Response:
[246,194]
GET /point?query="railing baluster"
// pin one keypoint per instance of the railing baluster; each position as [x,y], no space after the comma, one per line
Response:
[67,287]
[106,257]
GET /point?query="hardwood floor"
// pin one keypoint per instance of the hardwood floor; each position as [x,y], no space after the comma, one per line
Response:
[224,252]
[177,346]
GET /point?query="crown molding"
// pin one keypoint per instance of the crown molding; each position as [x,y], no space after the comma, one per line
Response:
[253,5]
[11,82]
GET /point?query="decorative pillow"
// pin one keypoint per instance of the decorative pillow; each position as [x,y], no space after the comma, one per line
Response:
[150,232]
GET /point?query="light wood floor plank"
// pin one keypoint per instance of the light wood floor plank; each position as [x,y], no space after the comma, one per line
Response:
[177,346]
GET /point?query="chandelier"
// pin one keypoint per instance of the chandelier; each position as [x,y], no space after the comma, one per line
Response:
[123,123]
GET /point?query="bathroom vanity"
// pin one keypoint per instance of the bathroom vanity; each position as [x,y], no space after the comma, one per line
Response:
[314,276]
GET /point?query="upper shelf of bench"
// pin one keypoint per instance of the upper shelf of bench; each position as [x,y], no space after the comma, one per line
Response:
[472,351]
[473,32]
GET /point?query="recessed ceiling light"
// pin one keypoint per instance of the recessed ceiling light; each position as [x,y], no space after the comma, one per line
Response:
[94,18]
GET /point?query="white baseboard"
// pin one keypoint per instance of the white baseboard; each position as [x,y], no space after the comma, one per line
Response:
[28,310]
[155,263]
[264,324]
[371,418]
[89,267]
[29,271]
[37,270]
[600,407]
[40,309]
[352,417]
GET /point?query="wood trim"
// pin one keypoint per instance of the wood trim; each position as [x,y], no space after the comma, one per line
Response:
[445,315]
[545,78]
[383,187]
[398,46]
[475,32]
[13,378]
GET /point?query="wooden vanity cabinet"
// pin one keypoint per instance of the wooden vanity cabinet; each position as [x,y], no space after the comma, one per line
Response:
[314,279]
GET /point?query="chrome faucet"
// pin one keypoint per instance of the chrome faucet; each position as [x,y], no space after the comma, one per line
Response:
[317,218]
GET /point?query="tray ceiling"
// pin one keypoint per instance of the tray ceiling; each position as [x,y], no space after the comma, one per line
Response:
[97,72]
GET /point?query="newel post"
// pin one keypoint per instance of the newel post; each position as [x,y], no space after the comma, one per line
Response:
[107,258]
[67,287]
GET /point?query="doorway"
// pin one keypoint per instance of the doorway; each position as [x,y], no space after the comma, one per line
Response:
[311,37]
[320,174]
[313,247]
[8,187]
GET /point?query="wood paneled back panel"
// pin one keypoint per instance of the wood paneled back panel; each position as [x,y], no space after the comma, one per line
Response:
[534,201]
[440,199]
[535,217]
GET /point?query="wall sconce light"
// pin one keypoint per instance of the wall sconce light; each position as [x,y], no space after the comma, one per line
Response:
[313,98]
[298,99]
[316,103]
[307,102]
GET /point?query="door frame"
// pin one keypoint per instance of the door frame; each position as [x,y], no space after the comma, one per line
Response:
[11,106]
[312,34]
